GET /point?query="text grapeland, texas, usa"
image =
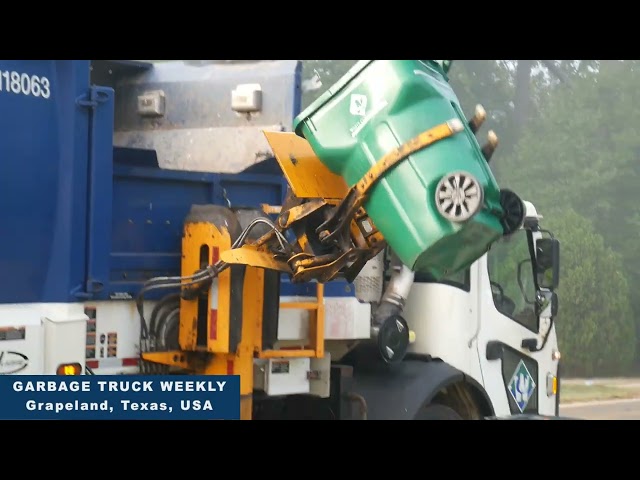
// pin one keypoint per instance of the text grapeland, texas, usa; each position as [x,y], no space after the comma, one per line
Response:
[100,397]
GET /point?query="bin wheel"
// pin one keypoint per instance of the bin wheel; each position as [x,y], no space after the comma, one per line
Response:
[514,211]
[459,196]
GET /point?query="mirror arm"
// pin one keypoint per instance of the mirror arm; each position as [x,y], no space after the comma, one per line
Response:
[548,232]
[541,299]
[545,339]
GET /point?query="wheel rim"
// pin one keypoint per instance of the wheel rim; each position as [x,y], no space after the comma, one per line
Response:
[458,196]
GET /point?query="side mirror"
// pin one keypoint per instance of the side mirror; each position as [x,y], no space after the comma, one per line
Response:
[548,263]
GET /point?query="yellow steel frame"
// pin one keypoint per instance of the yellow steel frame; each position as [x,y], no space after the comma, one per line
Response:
[315,349]
[217,358]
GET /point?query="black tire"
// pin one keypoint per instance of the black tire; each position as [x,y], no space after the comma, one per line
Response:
[437,412]
[514,211]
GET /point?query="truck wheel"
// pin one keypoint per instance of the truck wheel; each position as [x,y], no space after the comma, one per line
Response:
[459,196]
[437,412]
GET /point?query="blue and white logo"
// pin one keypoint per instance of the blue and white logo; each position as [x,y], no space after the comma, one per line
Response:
[521,386]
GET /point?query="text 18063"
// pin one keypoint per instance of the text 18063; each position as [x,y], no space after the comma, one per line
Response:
[24,84]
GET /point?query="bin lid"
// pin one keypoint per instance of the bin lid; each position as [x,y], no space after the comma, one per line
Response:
[442,66]
[326,96]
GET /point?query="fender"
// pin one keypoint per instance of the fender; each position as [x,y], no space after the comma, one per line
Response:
[398,393]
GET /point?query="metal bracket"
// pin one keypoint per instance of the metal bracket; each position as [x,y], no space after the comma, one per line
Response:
[94,286]
[91,99]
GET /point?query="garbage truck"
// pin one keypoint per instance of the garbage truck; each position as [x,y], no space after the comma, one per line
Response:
[352,260]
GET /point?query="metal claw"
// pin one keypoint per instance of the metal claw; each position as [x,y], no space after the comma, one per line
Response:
[490,147]
[478,119]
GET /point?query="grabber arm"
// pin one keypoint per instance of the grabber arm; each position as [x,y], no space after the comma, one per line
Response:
[322,230]
[334,235]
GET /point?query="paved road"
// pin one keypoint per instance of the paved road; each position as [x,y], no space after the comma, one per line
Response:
[606,410]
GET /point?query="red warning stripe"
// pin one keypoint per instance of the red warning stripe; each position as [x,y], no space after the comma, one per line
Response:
[213,317]
[213,325]
[126,362]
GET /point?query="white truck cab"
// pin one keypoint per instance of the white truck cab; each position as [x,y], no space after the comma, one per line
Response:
[494,322]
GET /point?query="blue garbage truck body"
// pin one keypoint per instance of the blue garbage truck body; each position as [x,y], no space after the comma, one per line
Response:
[96,187]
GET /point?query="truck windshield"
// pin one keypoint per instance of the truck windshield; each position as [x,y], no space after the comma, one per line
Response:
[512,281]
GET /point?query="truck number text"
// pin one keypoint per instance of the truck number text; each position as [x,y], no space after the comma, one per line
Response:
[24,84]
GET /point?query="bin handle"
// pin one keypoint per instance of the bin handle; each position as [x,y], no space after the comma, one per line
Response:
[391,159]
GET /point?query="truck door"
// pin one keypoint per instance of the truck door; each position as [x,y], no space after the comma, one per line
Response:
[511,320]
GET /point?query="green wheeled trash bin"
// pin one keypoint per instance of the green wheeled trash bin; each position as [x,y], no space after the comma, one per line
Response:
[440,208]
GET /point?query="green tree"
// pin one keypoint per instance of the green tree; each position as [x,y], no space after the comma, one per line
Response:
[595,325]
[489,83]
[583,152]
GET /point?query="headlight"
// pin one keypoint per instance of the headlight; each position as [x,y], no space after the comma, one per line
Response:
[69,369]
[552,385]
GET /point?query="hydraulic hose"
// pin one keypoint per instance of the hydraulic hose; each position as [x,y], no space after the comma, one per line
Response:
[159,312]
[164,329]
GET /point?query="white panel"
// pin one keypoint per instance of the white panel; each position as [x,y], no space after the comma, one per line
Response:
[117,325]
[344,319]
[24,329]
[320,382]
[287,376]
[65,332]
[293,324]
